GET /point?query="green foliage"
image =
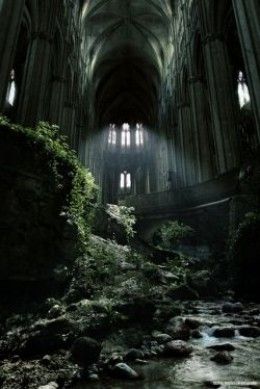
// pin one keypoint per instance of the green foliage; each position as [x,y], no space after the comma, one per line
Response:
[172,232]
[124,216]
[65,168]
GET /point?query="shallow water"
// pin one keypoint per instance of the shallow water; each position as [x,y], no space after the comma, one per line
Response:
[193,372]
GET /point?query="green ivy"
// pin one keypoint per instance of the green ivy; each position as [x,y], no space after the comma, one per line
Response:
[63,163]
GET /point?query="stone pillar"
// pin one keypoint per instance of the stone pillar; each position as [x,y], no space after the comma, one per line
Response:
[33,101]
[202,130]
[56,99]
[188,157]
[68,122]
[11,12]
[222,101]
[247,13]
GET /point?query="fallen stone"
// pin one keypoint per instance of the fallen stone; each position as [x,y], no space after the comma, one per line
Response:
[51,385]
[162,338]
[250,331]
[133,354]
[123,371]
[222,347]
[232,308]
[177,348]
[196,334]
[225,332]
[223,358]
[85,351]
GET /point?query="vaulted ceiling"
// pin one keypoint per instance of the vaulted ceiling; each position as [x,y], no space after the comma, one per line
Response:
[126,46]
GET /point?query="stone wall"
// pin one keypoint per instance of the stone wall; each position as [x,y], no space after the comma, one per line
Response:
[36,240]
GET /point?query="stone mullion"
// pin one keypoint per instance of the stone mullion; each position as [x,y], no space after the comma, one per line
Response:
[11,13]
[36,81]
[182,149]
[222,103]
[190,163]
[247,14]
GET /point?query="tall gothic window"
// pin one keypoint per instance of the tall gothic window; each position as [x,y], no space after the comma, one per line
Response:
[12,89]
[125,181]
[139,135]
[125,135]
[242,90]
[112,134]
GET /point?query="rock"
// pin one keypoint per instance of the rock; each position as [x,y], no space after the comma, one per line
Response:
[51,385]
[196,334]
[177,348]
[85,351]
[232,308]
[55,311]
[225,332]
[41,343]
[59,325]
[222,347]
[162,338]
[192,323]
[183,292]
[46,360]
[123,371]
[178,329]
[249,331]
[211,384]
[223,358]
[93,377]
[134,354]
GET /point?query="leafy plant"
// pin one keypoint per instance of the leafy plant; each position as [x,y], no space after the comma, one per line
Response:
[66,170]
[172,232]
[124,216]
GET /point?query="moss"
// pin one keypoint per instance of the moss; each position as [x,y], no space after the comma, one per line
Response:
[70,177]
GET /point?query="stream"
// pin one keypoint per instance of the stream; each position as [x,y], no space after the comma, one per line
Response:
[198,370]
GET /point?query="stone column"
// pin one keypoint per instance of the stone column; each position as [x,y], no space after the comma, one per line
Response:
[202,130]
[247,13]
[187,150]
[56,99]
[11,12]
[33,101]
[222,101]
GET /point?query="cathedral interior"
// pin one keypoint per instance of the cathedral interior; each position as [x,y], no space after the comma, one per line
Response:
[130,194]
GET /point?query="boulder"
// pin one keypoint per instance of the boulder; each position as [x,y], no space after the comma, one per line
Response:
[224,332]
[85,351]
[177,329]
[123,371]
[222,347]
[163,338]
[196,334]
[177,348]
[249,331]
[232,307]
[51,385]
[133,354]
[222,357]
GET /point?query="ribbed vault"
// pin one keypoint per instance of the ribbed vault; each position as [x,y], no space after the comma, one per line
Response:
[126,46]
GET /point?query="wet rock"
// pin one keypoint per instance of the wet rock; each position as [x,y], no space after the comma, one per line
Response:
[93,377]
[55,311]
[85,351]
[211,384]
[249,331]
[123,371]
[177,329]
[134,354]
[225,332]
[192,323]
[183,292]
[232,307]
[196,334]
[222,347]
[223,358]
[177,348]
[51,385]
[162,338]
[46,360]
